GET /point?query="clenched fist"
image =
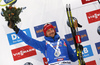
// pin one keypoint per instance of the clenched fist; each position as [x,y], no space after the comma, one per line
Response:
[11,24]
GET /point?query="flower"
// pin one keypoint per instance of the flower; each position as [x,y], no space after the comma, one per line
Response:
[10,7]
[12,14]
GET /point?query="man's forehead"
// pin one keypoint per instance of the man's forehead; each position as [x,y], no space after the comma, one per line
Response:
[50,28]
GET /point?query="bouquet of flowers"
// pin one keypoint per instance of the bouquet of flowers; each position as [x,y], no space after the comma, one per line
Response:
[12,14]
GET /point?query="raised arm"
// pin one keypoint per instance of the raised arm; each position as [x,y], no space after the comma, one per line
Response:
[72,55]
[39,45]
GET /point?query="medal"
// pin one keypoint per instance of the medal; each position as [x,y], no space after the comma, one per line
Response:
[57,50]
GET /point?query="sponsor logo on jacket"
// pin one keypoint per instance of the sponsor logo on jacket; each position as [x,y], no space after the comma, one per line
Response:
[45,61]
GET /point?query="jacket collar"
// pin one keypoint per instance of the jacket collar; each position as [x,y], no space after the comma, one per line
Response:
[50,39]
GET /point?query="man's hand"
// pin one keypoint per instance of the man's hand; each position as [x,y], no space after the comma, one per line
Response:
[11,24]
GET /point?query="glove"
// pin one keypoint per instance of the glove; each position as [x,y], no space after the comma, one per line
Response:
[81,47]
[13,26]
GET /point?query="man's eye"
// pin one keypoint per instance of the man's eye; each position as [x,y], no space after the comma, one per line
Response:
[51,28]
[48,30]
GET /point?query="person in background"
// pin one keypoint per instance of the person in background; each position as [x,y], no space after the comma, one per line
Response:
[56,50]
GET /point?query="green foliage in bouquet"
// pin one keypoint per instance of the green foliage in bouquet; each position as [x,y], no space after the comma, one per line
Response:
[12,14]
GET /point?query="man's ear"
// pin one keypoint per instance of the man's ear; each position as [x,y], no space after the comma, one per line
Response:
[46,34]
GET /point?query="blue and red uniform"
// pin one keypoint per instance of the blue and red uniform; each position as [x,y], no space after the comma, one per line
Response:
[66,51]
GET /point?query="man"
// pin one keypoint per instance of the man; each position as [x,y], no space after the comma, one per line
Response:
[56,50]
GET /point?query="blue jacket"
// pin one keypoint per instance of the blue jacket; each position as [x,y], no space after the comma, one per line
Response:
[66,51]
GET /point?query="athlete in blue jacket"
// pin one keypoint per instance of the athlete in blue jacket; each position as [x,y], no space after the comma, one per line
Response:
[56,50]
